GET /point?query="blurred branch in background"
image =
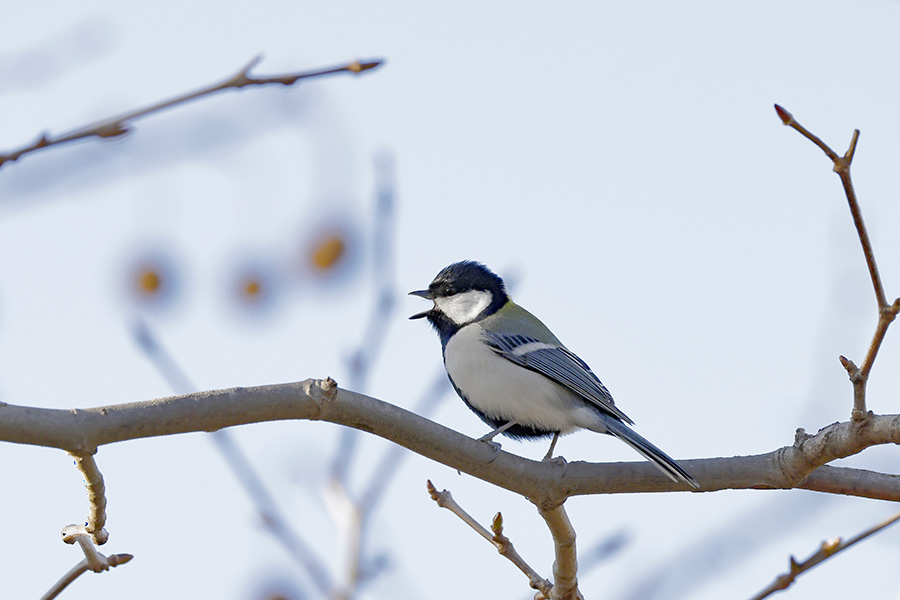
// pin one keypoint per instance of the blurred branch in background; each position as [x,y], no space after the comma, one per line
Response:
[707,558]
[350,515]
[346,511]
[270,515]
[120,125]
[353,511]
[57,53]
[362,359]
[393,457]
[602,550]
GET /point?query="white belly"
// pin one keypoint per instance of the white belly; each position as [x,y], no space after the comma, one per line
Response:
[507,392]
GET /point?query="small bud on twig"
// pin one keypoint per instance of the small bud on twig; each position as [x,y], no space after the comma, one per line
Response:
[784,115]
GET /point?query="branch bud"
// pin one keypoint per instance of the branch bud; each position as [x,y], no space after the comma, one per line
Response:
[786,117]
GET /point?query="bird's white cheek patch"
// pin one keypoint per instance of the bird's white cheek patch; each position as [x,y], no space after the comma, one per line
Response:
[464,308]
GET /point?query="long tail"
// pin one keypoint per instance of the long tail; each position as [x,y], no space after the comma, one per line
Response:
[663,461]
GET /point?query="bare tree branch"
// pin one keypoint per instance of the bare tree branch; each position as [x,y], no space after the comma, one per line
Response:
[83,430]
[93,560]
[120,125]
[504,546]
[506,549]
[565,567]
[352,511]
[828,549]
[96,489]
[375,331]
[886,312]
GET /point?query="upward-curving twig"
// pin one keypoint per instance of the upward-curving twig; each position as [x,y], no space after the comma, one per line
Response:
[93,560]
[828,549]
[504,546]
[859,376]
[120,125]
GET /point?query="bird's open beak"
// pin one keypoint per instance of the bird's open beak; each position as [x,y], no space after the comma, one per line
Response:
[422,294]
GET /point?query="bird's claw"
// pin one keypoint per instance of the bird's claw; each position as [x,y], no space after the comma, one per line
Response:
[495,445]
[558,460]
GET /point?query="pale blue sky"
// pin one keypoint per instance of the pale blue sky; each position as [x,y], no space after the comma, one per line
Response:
[622,160]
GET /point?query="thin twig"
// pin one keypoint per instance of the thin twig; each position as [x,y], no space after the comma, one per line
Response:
[120,125]
[96,490]
[788,119]
[93,560]
[506,549]
[445,500]
[886,312]
[828,549]
[885,318]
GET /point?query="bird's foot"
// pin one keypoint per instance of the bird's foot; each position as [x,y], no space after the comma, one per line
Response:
[495,445]
[559,461]
[487,439]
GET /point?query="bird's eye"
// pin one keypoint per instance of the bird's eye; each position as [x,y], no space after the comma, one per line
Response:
[450,291]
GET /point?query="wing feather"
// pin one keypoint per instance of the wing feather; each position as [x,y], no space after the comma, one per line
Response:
[559,364]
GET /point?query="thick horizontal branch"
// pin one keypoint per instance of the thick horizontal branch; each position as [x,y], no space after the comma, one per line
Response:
[81,431]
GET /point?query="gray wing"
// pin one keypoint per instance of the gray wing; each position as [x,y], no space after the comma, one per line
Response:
[559,364]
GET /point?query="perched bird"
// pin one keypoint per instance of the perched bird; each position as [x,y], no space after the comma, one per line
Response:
[515,374]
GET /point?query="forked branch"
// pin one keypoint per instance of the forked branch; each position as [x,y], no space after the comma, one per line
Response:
[93,560]
[886,312]
[504,546]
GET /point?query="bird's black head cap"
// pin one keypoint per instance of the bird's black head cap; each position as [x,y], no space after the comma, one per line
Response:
[457,278]
[468,275]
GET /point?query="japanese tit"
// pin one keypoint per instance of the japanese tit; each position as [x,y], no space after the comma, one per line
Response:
[515,374]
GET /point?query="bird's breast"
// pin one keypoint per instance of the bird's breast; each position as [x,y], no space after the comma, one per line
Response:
[506,391]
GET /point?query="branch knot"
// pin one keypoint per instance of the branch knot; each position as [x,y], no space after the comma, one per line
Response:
[794,471]
[320,391]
